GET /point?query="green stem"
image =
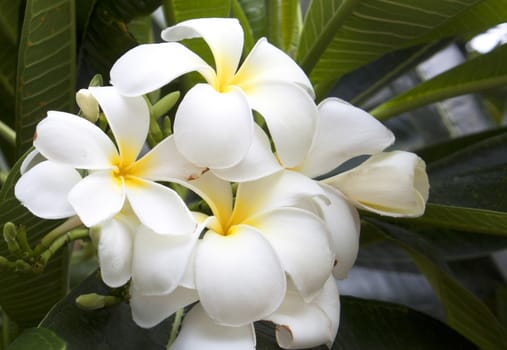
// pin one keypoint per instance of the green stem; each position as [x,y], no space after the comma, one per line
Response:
[7,134]
[175,327]
[57,244]
[46,241]
[3,177]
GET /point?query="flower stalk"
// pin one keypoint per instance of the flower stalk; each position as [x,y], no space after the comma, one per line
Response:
[7,134]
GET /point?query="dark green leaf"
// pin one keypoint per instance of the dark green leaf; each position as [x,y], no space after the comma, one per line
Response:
[109,328]
[435,152]
[28,297]
[37,338]
[46,65]
[474,177]
[371,324]
[480,73]
[107,36]
[464,311]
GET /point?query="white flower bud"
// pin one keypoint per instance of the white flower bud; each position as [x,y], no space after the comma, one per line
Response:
[88,105]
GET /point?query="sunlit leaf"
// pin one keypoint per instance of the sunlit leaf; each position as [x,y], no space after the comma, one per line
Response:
[37,338]
[180,10]
[341,35]
[284,24]
[46,65]
[256,13]
[480,73]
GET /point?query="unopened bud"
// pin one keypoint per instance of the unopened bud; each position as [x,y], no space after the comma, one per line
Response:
[10,233]
[88,105]
[94,301]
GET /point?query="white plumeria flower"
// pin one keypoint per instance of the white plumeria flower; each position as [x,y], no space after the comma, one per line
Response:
[115,174]
[214,127]
[155,262]
[240,264]
[392,183]
[301,324]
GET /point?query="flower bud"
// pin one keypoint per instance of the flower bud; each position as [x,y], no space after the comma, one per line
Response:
[88,105]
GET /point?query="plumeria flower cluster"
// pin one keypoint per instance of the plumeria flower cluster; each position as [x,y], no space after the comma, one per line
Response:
[281,223]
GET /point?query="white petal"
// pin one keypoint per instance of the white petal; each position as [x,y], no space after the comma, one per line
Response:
[216,192]
[343,132]
[390,183]
[306,325]
[224,37]
[213,129]
[165,163]
[128,118]
[32,159]
[200,332]
[159,207]
[69,139]
[282,189]
[266,62]
[148,67]
[97,197]
[238,277]
[259,161]
[149,310]
[160,260]
[44,189]
[344,224]
[290,114]
[115,251]
[301,241]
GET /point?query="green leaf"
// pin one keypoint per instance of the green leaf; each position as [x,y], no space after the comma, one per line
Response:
[46,65]
[371,324]
[440,150]
[461,218]
[256,14]
[9,20]
[474,177]
[480,73]
[107,36]
[341,35]
[237,11]
[284,23]
[473,20]
[464,311]
[27,297]
[176,11]
[361,84]
[37,338]
[108,328]
[140,28]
